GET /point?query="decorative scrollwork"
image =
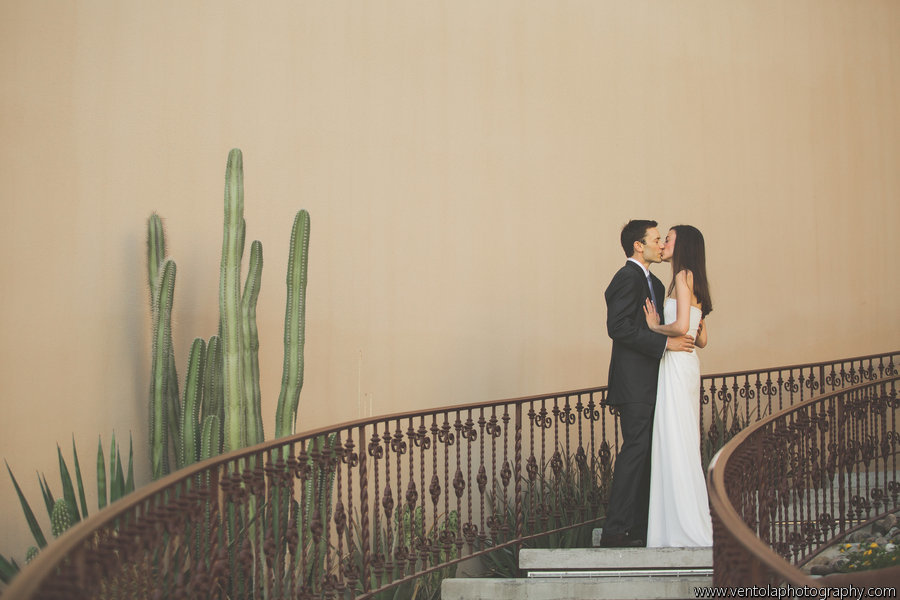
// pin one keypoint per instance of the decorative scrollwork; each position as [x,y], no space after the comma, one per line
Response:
[540,419]
[470,531]
[724,395]
[303,465]
[398,445]
[565,415]
[340,517]
[604,454]
[531,468]
[481,479]
[812,383]
[445,436]
[468,431]
[493,428]
[556,463]
[412,494]
[387,502]
[421,438]
[375,450]
[435,489]
[459,484]
[589,411]
[768,389]
[505,473]
[348,456]
[790,385]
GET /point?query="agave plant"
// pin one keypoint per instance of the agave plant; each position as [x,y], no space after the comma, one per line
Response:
[71,508]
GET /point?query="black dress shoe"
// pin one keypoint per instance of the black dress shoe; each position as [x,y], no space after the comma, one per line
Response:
[619,540]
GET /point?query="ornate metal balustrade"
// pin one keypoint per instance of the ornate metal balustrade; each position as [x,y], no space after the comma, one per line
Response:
[796,482]
[356,510]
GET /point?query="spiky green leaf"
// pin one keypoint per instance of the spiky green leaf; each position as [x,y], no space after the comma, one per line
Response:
[79,482]
[101,476]
[29,514]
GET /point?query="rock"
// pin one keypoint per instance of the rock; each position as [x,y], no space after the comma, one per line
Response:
[838,563]
[857,537]
[881,541]
[882,526]
[821,570]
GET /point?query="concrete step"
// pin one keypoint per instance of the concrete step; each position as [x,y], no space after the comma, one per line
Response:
[618,561]
[578,588]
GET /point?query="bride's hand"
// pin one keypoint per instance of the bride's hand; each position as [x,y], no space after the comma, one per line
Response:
[651,314]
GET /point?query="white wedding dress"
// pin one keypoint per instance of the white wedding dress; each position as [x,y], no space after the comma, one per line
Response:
[679,505]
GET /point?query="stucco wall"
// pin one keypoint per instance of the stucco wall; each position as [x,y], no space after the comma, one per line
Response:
[467,166]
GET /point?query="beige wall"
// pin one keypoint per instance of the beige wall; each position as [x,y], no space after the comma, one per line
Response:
[467,166]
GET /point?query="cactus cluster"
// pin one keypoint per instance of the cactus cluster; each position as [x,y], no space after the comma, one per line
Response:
[220,409]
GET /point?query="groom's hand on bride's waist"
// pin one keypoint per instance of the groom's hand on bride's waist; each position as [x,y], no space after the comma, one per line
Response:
[681,343]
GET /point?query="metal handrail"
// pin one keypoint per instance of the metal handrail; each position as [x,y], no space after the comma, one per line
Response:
[575,420]
[741,556]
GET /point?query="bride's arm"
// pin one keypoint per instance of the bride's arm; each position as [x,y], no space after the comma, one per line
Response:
[682,321]
[700,342]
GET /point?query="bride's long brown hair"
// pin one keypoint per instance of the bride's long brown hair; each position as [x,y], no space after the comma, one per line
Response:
[690,254]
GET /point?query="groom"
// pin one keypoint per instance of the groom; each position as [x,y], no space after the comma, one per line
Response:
[633,374]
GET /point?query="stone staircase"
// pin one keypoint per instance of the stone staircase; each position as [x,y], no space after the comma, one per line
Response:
[595,574]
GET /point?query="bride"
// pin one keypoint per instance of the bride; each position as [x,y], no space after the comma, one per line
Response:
[679,506]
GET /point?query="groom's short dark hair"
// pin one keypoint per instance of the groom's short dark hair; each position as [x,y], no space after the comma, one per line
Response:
[634,231]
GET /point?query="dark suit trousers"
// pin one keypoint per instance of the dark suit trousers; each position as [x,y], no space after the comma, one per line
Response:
[630,496]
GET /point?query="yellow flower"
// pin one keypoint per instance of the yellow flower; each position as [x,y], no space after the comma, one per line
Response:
[873,545]
[848,546]
[867,553]
[852,566]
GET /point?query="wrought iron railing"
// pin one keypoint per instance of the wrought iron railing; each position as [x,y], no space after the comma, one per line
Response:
[358,509]
[798,481]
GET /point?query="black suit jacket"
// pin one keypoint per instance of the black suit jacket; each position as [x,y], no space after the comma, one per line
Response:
[636,351]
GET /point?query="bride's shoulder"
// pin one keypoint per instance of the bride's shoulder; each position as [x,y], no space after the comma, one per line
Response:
[685,275]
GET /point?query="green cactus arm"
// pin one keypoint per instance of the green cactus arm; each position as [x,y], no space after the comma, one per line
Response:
[173,403]
[189,442]
[294,327]
[252,395]
[209,439]
[156,253]
[212,370]
[213,394]
[29,514]
[160,372]
[101,476]
[68,488]
[230,304]
[80,482]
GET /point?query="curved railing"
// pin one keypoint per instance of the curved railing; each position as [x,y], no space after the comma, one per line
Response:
[361,508]
[796,482]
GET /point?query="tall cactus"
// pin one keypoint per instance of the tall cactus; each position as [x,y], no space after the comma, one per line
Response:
[294,327]
[156,256]
[160,371]
[230,304]
[221,409]
[252,394]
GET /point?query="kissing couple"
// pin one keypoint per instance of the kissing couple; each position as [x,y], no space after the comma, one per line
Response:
[658,495]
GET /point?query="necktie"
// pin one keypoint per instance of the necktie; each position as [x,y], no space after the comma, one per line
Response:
[652,294]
